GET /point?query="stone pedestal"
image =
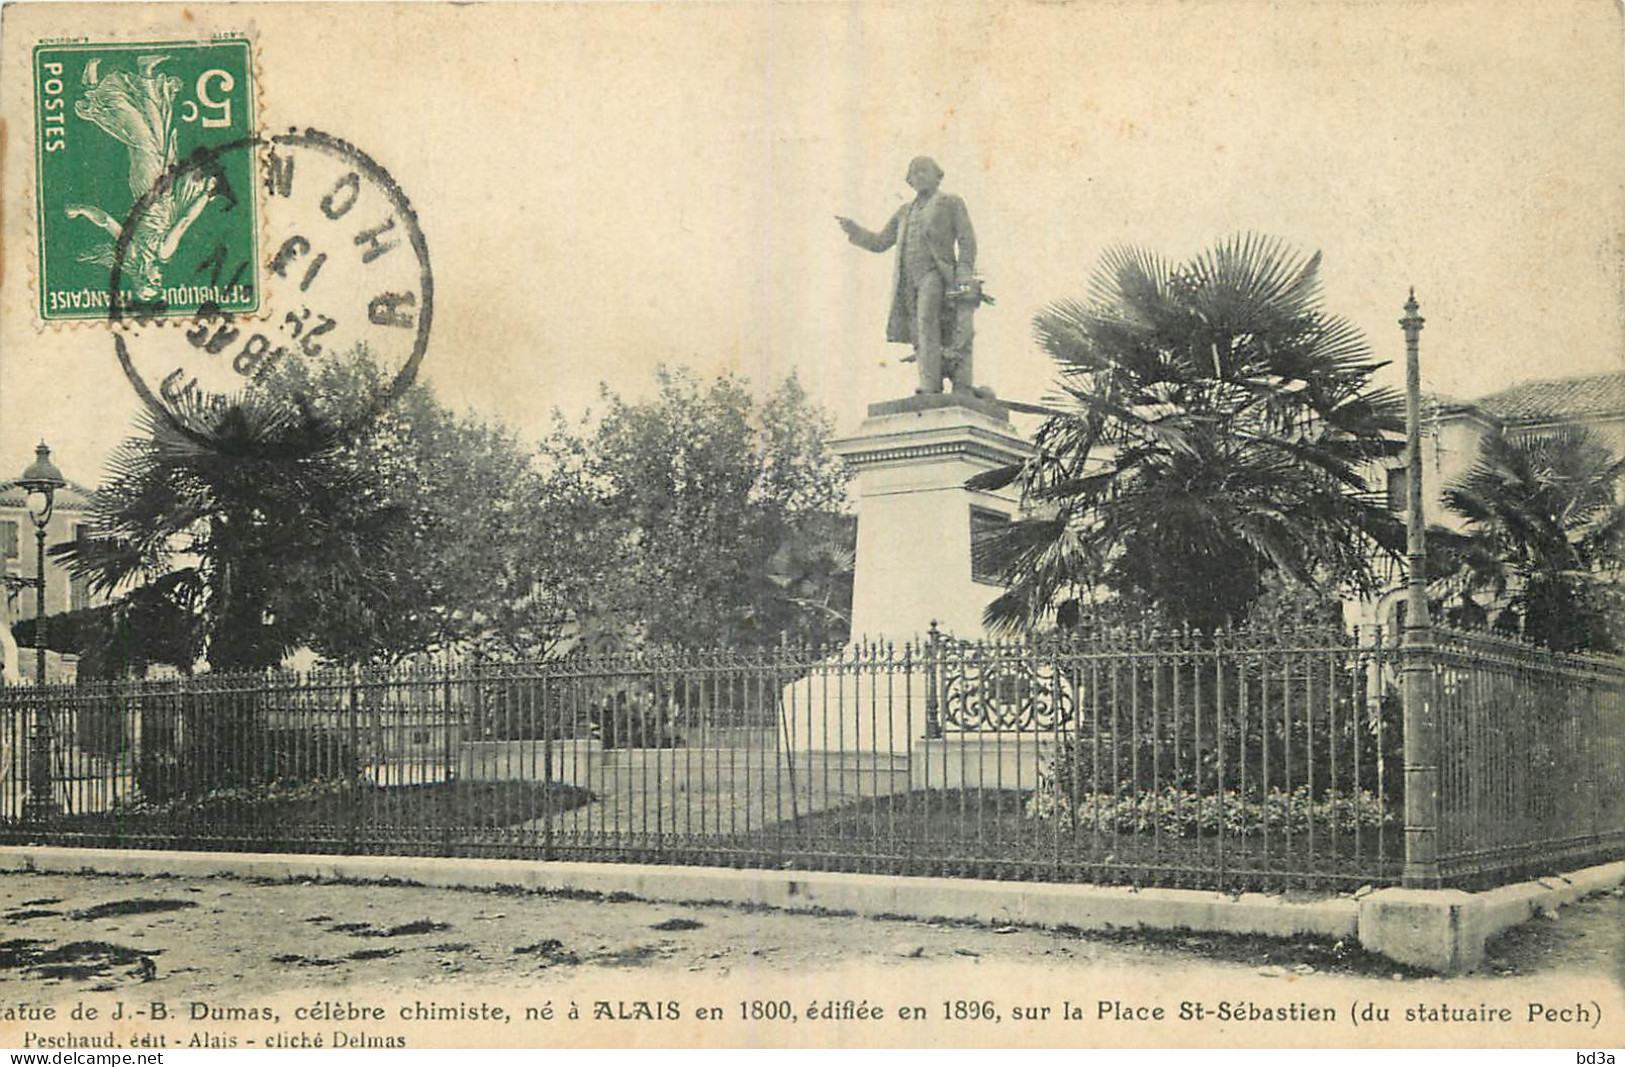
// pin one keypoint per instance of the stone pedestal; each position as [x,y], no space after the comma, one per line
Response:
[916,523]
[912,458]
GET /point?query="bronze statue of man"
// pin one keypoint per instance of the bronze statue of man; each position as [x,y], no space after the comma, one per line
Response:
[935,291]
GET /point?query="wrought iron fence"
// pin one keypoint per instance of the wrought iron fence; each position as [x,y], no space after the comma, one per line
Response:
[1244,759]
[1532,767]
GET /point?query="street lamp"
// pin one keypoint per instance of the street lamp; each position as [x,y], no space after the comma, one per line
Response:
[40,480]
[1421,724]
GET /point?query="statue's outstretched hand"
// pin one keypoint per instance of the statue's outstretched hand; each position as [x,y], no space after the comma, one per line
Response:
[851,228]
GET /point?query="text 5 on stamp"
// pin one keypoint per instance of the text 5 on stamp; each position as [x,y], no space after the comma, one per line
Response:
[111,120]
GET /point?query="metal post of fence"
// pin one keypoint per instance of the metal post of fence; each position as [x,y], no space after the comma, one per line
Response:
[933,720]
[461,817]
[450,717]
[784,680]
[551,720]
[353,823]
[1420,714]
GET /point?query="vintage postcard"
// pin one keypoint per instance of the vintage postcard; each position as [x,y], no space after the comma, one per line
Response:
[725,524]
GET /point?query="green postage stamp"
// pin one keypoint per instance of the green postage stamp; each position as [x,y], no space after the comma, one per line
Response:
[129,182]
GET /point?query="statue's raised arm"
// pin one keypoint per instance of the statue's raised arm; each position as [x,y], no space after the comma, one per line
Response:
[869,239]
[935,291]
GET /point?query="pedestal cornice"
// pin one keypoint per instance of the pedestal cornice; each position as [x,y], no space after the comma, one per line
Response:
[934,427]
[937,401]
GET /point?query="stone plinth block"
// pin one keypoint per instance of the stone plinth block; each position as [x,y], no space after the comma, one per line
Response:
[855,708]
[912,458]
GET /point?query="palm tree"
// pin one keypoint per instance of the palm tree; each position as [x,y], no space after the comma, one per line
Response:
[1545,536]
[1211,427]
[805,590]
[239,513]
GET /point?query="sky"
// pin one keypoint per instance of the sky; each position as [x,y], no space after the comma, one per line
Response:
[606,187]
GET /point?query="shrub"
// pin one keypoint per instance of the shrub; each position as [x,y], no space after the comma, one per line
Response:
[292,809]
[1183,812]
[198,752]
[527,709]
[1184,746]
[237,801]
[298,755]
[630,719]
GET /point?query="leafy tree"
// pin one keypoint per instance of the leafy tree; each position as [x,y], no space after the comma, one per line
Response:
[1544,539]
[560,564]
[457,490]
[1210,430]
[722,511]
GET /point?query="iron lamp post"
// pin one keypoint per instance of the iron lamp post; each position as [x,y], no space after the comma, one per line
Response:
[40,481]
[1420,713]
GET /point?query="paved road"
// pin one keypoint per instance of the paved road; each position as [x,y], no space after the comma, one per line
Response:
[237,946]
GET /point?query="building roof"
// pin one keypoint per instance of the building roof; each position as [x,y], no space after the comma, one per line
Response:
[72,497]
[1557,399]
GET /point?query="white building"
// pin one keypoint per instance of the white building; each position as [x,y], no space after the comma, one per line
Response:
[1452,431]
[19,557]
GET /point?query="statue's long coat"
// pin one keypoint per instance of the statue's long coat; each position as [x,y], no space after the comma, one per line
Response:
[945,224]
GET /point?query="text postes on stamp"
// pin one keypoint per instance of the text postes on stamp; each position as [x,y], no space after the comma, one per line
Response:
[111,120]
[346,298]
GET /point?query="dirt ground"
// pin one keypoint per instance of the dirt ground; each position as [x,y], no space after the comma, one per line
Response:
[91,933]
[222,940]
